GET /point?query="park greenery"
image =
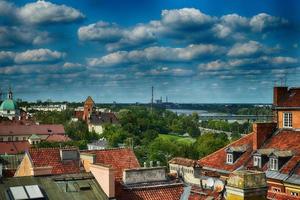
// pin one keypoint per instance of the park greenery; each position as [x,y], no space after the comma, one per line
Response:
[155,134]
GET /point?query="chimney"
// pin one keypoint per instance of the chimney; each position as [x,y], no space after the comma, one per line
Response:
[261,132]
[105,176]
[87,159]
[278,94]
[246,185]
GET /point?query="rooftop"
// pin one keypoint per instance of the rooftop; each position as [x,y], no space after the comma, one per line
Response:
[14,147]
[72,186]
[183,161]
[44,157]
[43,129]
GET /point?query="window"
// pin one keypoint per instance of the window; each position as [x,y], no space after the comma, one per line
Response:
[257,161]
[274,189]
[9,139]
[24,138]
[287,120]
[273,164]
[1,139]
[17,139]
[295,194]
[229,158]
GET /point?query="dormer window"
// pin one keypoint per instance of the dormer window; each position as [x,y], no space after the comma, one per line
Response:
[229,159]
[257,161]
[273,164]
[287,120]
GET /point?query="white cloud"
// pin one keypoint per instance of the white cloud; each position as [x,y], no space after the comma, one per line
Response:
[69,65]
[38,56]
[245,49]
[41,12]
[264,21]
[157,54]
[11,36]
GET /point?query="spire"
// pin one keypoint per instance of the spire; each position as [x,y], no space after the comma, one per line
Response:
[10,93]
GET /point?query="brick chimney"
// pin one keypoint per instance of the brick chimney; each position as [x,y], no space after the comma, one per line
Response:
[105,176]
[261,132]
[278,93]
[144,175]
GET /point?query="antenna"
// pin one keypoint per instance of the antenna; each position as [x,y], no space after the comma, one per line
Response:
[152,95]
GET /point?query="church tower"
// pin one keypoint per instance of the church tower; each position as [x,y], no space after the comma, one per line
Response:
[10,94]
[89,106]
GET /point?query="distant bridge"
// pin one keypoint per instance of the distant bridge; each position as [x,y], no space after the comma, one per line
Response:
[251,118]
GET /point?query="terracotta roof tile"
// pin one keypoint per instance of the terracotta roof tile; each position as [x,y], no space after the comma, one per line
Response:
[119,159]
[166,192]
[44,129]
[280,196]
[217,160]
[183,161]
[42,157]
[14,147]
[58,138]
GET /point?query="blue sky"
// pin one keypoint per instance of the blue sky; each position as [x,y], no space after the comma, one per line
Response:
[200,51]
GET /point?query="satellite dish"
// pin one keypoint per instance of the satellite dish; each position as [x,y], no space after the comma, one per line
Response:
[219,186]
[210,182]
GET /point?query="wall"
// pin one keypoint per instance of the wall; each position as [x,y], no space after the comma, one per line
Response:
[97,128]
[21,137]
[25,168]
[142,175]
[295,118]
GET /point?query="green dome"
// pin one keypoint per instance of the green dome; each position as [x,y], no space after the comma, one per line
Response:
[9,104]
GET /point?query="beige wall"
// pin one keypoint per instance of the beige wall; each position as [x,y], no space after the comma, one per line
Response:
[295,118]
[25,168]
[97,128]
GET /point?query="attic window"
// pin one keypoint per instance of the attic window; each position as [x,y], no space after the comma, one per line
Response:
[273,164]
[257,161]
[229,159]
[49,130]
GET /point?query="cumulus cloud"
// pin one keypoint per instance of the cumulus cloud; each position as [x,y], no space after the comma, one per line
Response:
[186,25]
[245,49]
[42,12]
[101,31]
[38,56]
[157,54]
[11,36]
[264,21]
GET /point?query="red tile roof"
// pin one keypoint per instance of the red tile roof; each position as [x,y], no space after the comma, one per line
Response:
[58,138]
[183,161]
[44,129]
[119,159]
[217,160]
[165,192]
[281,140]
[42,157]
[14,147]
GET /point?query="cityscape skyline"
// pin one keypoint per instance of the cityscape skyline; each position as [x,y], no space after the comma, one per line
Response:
[191,51]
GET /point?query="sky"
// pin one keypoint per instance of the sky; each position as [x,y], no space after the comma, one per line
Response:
[193,51]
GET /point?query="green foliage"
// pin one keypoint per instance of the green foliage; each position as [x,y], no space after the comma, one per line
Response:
[81,144]
[53,117]
[79,131]
[208,143]
[223,125]
[115,134]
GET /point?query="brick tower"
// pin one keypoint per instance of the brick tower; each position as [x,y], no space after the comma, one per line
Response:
[89,105]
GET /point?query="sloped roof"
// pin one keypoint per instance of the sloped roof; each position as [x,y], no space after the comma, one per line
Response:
[183,161]
[89,100]
[14,147]
[54,187]
[58,138]
[43,157]
[101,118]
[43,129]
[217,160]
[8,104]
[118,158]
[159,192]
